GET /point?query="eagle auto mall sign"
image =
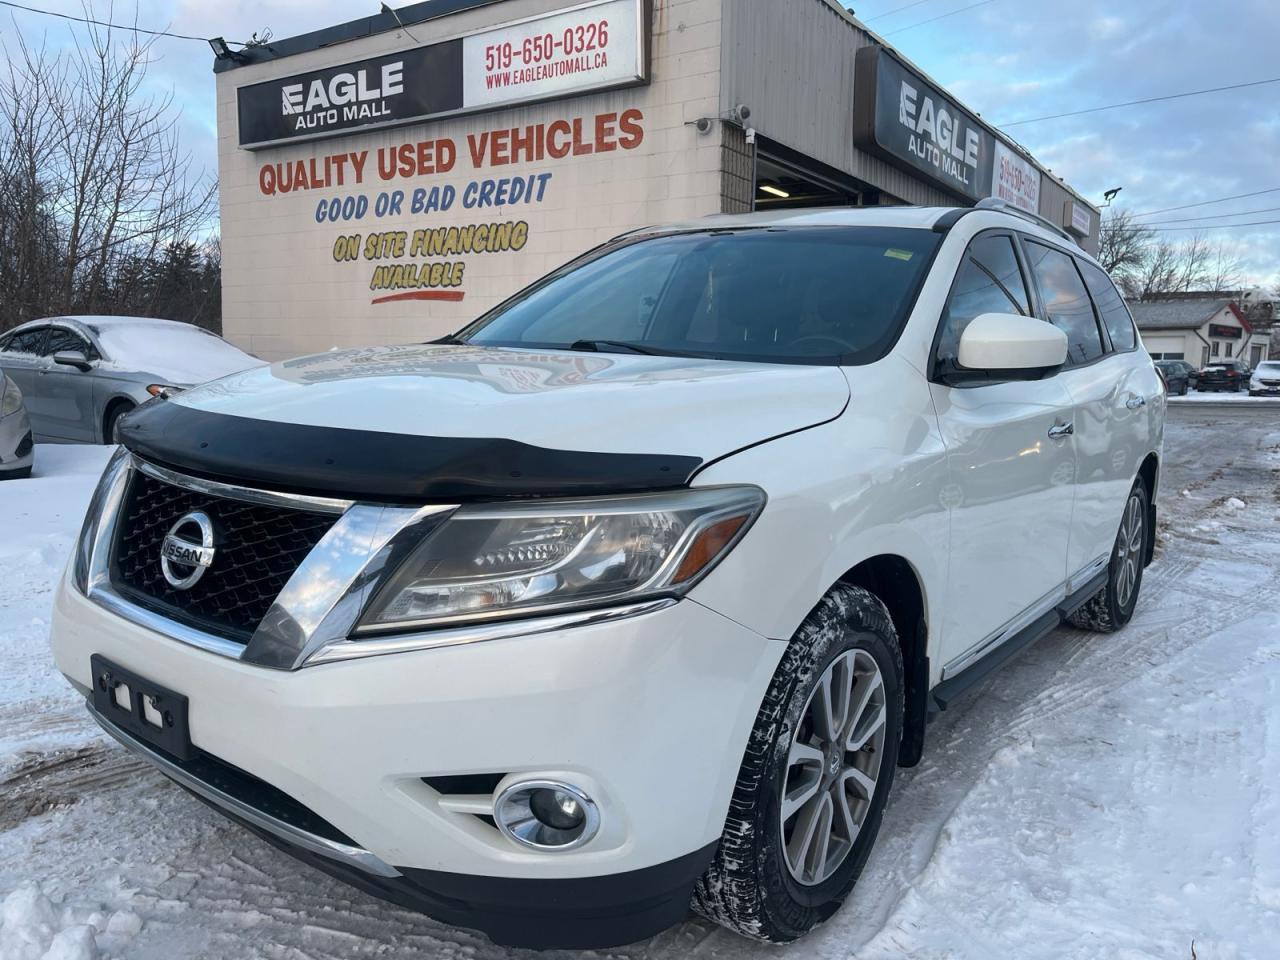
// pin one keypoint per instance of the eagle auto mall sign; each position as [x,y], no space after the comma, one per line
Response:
[597,46]
[912,124]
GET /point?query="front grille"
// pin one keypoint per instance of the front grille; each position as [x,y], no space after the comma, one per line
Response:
[257,550]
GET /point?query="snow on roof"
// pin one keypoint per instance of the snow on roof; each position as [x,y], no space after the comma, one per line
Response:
[1174,314]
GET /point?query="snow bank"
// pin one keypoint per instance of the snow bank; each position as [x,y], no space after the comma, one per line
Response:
[35,927]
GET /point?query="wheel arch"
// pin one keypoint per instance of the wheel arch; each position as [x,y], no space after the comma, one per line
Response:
[898,585]
[117,402]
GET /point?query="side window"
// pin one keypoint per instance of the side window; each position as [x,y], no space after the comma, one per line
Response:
[27,342]
[1066,301]
[60,339]
[989,281]
[1115,315]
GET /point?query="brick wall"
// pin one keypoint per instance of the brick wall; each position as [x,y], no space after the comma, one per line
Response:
[290,287]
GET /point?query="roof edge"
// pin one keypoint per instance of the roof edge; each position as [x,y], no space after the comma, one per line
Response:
[343,32]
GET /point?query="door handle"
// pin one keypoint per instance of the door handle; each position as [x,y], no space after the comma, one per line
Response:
[1060,431]
[1134,402]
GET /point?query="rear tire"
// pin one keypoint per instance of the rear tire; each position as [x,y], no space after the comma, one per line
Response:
[1112,607]
[768,881]
[1185,388]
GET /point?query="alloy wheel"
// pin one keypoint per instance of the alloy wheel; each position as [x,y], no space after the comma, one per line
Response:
[1129,547]
[832,767]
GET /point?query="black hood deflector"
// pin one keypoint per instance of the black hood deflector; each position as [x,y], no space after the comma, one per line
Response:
[386,467]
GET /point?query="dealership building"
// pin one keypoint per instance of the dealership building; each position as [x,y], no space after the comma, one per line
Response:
[387,179]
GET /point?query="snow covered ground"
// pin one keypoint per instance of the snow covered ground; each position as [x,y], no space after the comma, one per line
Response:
[1206,396]
[1101,797]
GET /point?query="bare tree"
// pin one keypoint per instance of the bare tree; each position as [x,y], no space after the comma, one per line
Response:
[1226,270]
[1122,242]
[93,176]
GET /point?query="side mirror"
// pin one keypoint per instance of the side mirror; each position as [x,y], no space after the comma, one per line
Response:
[72,358]
[1011,345]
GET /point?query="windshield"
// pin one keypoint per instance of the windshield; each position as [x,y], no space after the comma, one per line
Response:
[1269,366]
[797,295]
[157,345]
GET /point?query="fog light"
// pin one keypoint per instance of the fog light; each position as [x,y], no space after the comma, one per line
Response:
[546,815]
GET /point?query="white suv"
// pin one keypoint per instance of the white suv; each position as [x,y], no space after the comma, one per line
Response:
[635,592]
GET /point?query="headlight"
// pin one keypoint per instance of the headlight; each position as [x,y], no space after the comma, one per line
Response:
[499,560]
[102,508]
[10,397]
[162,390]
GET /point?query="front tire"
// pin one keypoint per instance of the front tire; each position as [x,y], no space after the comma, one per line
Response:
[815,777]
[1112,607]
[111,426]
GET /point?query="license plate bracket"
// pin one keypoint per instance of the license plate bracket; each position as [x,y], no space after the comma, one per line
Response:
[145,710]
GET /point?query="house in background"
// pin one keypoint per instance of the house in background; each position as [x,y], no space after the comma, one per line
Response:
[1199,331]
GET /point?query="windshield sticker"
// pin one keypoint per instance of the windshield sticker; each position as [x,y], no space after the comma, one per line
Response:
[899,254]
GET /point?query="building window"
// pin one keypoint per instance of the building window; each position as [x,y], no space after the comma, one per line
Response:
[1217,345]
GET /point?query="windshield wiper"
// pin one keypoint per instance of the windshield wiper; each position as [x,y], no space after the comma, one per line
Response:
[595,345]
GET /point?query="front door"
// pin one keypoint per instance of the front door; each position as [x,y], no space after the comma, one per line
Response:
[65,392]
[1011,467]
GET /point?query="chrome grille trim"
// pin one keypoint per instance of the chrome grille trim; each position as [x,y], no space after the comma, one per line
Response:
[232,491]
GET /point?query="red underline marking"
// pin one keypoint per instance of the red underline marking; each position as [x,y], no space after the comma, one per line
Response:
[453,296]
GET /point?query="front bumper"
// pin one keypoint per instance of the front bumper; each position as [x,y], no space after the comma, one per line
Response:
[648,715]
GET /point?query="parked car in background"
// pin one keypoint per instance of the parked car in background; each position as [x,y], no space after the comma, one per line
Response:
[1265,380]
[1229,375]
[641,587]
[80,375]
[1179,376]
[17,449]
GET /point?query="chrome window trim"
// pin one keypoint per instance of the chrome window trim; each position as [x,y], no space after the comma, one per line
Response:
[357,857]
[232,491]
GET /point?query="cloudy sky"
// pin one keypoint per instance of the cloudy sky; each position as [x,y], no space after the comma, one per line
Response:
[1006,59]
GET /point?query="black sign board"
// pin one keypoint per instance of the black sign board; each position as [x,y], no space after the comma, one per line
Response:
[902,118]
[396,88]
[1225,331]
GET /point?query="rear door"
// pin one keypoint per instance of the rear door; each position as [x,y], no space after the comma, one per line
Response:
[1112,385]
[66,393]
[1010,469]
[20,357]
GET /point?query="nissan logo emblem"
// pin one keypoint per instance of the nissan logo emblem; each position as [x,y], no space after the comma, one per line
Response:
[188,550]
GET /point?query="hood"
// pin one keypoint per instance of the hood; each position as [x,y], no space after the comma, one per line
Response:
[451,423]
[563,400]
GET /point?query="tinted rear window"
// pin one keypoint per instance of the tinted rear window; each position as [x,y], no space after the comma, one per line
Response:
[1066,302]
[1111,307]
[803,294]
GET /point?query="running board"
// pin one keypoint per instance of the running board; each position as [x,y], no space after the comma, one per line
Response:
[948,690]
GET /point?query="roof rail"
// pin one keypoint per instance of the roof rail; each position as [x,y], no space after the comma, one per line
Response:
[1004,206]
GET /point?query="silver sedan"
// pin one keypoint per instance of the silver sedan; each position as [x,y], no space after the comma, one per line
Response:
[17,452]
[81,374]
